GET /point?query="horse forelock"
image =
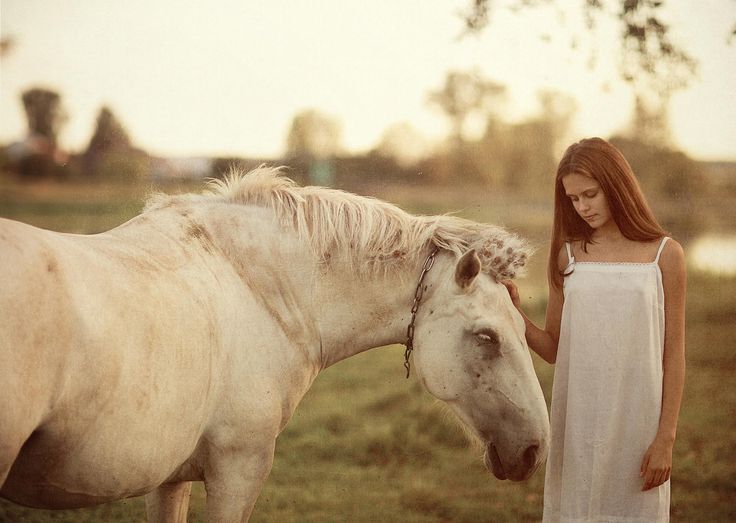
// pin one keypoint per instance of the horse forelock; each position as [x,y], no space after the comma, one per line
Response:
[372,234]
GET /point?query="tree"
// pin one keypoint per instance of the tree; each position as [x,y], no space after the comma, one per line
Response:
[38,154]
[464,95]
[523,155]
[651,62]
[110,153]
[404,144]
[647,51]
[673,182]
[44,113]
[313,136]
[649,125]
[109,135]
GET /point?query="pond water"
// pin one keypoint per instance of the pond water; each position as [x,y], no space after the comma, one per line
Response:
[713,253]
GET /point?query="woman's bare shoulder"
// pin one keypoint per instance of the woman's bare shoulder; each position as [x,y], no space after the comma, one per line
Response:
[672,258]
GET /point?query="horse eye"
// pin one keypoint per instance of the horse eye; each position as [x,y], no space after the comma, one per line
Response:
[486,337]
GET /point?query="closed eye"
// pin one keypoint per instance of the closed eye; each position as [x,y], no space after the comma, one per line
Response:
[587,194]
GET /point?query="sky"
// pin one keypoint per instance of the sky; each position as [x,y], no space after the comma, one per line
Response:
[226,77]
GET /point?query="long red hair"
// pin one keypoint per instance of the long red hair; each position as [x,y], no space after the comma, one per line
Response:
[598,159]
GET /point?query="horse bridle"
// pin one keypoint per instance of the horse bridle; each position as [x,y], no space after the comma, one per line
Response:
[418,293]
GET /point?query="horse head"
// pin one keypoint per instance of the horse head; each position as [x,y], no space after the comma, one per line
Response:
[472,354]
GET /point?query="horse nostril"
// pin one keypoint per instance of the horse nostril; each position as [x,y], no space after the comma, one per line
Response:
[530,456]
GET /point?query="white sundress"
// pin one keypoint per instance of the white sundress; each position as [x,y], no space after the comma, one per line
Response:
[607,394]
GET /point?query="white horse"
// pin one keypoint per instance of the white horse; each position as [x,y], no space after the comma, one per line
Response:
[175,347]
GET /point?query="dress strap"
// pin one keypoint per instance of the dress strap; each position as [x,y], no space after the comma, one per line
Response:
[570,257]
[661,247]
[570,260]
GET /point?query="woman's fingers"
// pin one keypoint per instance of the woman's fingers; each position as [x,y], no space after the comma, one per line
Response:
[655,477]
[513,291]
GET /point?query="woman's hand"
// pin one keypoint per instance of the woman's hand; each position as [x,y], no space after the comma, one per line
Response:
[513,292]
[656,466]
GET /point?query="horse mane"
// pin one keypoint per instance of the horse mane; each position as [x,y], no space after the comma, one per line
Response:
[374,234]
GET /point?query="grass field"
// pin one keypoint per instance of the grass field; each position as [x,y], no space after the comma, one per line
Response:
[367,445]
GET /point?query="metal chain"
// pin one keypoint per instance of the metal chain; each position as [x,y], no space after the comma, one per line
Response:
[417,299]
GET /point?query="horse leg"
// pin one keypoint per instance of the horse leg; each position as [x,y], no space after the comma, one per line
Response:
[9,450]
[233,482]
[15,429]
[169,503]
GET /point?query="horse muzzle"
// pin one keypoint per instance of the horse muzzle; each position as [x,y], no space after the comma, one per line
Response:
[518,467]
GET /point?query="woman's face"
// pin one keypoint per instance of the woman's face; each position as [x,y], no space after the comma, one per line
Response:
[588,199]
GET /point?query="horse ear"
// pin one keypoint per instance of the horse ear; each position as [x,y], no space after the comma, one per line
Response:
[468,267]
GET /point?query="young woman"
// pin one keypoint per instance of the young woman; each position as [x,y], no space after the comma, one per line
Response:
[615,327]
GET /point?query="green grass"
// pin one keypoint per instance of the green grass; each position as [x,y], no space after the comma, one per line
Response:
[368,445]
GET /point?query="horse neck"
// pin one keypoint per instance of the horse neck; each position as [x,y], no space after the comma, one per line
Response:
[329,305]
[357,313]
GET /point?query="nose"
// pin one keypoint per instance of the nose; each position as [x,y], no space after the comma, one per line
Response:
[531,457]
[520,467]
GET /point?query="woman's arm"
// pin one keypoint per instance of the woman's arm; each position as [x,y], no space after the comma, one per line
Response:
[657,463]
[543,342]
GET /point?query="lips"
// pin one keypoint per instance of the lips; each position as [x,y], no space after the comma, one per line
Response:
[589,218]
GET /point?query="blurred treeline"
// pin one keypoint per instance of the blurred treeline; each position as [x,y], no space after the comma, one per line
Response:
[484,151]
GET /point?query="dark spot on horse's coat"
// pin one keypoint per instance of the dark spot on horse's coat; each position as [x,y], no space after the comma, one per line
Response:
[51,263]
[196,232]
